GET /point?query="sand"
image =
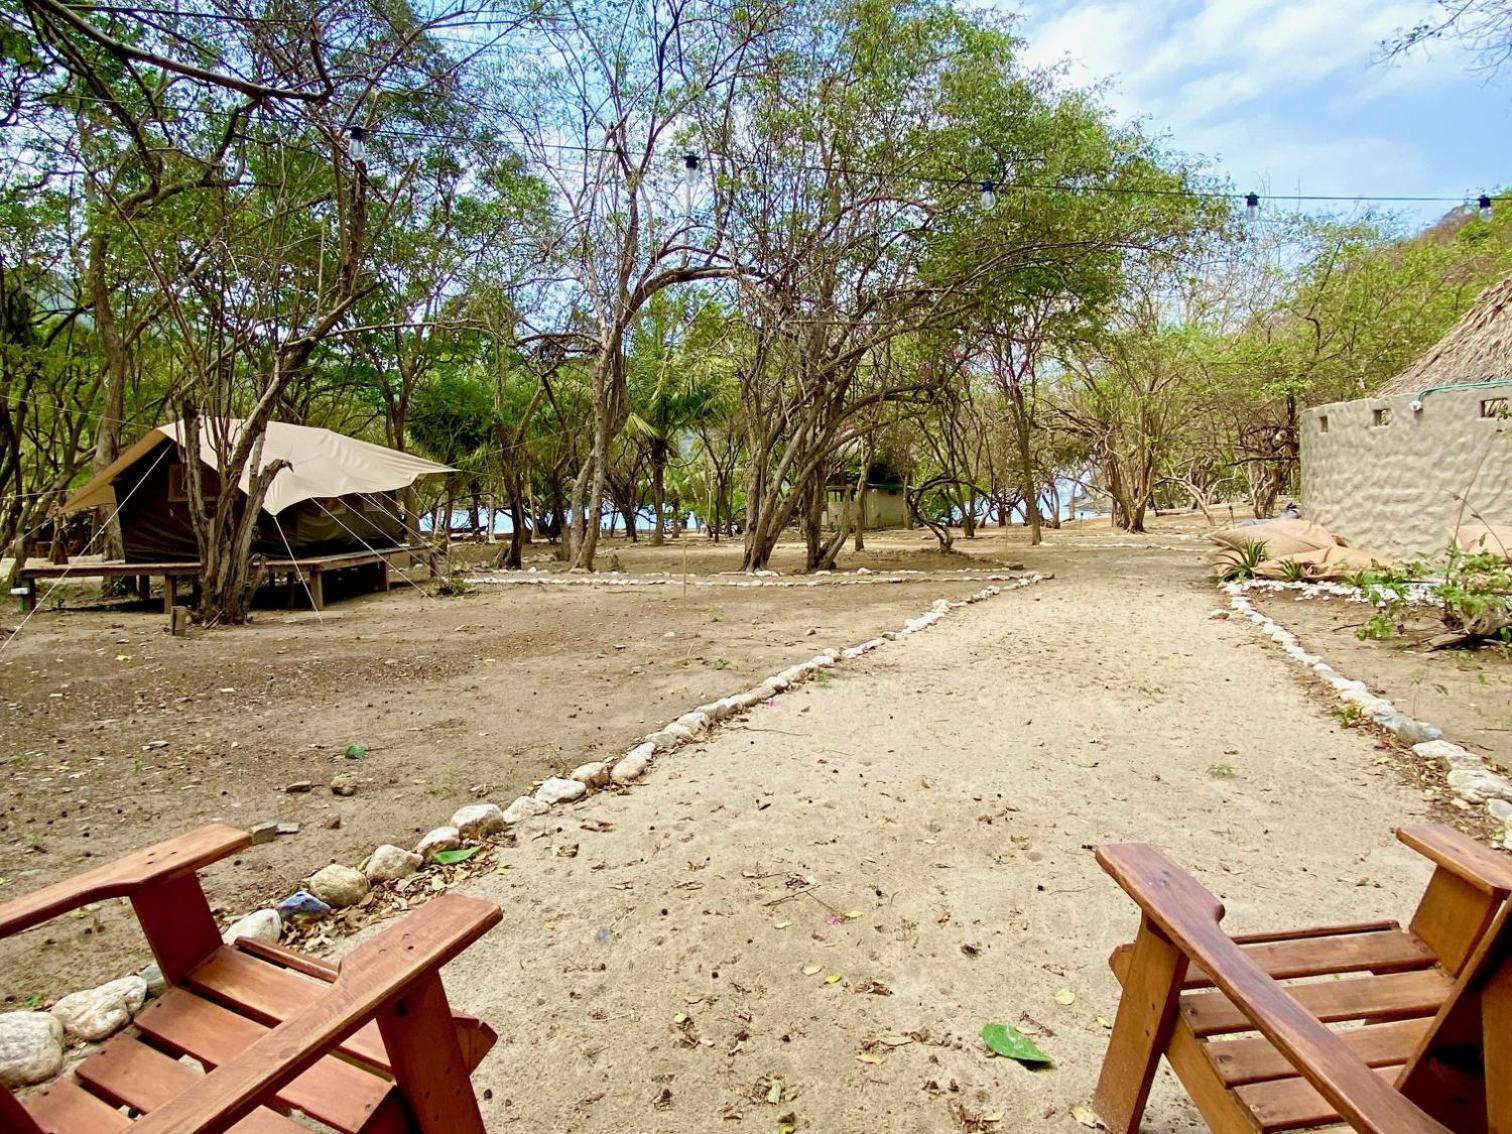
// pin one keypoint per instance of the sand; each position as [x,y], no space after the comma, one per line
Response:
[916,826]
[651,977]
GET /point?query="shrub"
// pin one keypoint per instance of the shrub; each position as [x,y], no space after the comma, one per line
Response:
[452,586]
[1473,591]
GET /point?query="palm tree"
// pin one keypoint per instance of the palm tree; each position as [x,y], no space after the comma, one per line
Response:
[677,384]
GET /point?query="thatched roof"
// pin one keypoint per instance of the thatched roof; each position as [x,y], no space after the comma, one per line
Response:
[1477,349]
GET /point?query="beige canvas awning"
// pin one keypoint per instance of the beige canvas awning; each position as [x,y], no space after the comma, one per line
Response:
[322,465]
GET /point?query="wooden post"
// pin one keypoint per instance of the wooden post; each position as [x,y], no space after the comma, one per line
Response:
[685,571]
[178,925]
[1146,1013]
[317,590]
[144,587]
[429,1067]
[1496,1027]
[178,621]
[170,593]
[383,575]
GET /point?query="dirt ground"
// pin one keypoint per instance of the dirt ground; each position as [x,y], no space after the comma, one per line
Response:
[658,967]
[940,797]
[111,730]
[1467,693]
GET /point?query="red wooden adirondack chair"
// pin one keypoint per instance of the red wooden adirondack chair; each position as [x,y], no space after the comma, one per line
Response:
[1425,1045]
[368,1045]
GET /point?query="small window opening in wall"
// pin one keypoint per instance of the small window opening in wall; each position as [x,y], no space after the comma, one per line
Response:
[1323,423]
[1498,408]
[1380,416]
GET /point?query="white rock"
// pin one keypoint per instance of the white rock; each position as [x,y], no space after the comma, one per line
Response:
[442,838]
[1478,785]
[157,984]
[338,886]
[259,925]
[694,722]
[1452,754]
[389,863]
[97,1013]
[594,775]
[1419,732]
[631,766]
[559,790]
[31,1048]
[1500,810]
[524,808]
[671,736]
[478,819]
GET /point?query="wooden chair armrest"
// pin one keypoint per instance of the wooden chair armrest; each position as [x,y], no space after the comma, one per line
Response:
[1462,856]
[186,854]
[1186,914]
[373,976]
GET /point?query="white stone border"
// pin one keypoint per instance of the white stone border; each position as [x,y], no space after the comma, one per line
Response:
[1470,777]
[113,1005]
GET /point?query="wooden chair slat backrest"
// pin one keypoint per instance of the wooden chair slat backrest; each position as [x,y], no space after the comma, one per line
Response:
[1470,884]
[1461,1072]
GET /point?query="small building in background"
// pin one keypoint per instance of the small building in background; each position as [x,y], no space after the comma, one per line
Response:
[1430,452]
[885,503]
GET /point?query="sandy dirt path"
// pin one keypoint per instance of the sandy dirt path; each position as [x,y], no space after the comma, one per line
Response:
[946,789]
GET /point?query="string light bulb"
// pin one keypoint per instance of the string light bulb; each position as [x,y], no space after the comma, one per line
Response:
[1251,205]
[1483,206]
[989,194]
[690,182]
[357,144]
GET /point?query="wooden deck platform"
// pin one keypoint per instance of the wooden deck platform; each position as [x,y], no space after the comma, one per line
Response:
[307,569]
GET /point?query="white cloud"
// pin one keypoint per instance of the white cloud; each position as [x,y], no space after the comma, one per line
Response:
[1185,60]
[1287,96]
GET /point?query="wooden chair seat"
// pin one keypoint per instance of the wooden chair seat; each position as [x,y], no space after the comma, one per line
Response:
[1377,981]
[1383,1029]
[366,1047]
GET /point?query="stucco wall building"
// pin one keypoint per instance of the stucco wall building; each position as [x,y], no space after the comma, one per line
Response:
[1397,472]
[1388,477]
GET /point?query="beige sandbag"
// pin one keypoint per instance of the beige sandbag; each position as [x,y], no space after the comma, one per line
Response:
[1495,538]
[1282,538]
[1325,563]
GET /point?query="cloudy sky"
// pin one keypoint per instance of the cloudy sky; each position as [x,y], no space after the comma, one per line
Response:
[1289,96]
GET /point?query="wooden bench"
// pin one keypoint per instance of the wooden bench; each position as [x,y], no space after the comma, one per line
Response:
[1386,1029]
[308,569]
[368,1045]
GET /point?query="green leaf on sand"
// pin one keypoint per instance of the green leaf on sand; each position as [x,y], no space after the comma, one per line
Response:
[1014,1044]
[452,857]
[355,752]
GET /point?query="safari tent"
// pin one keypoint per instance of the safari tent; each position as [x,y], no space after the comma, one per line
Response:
[336,497]
[1430,452]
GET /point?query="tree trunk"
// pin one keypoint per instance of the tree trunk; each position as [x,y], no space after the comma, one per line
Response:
[658,491]
[860,542]
[228,574]
[107,443]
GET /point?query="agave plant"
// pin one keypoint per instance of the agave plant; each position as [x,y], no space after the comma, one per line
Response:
[1243,561]
[1292,571]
